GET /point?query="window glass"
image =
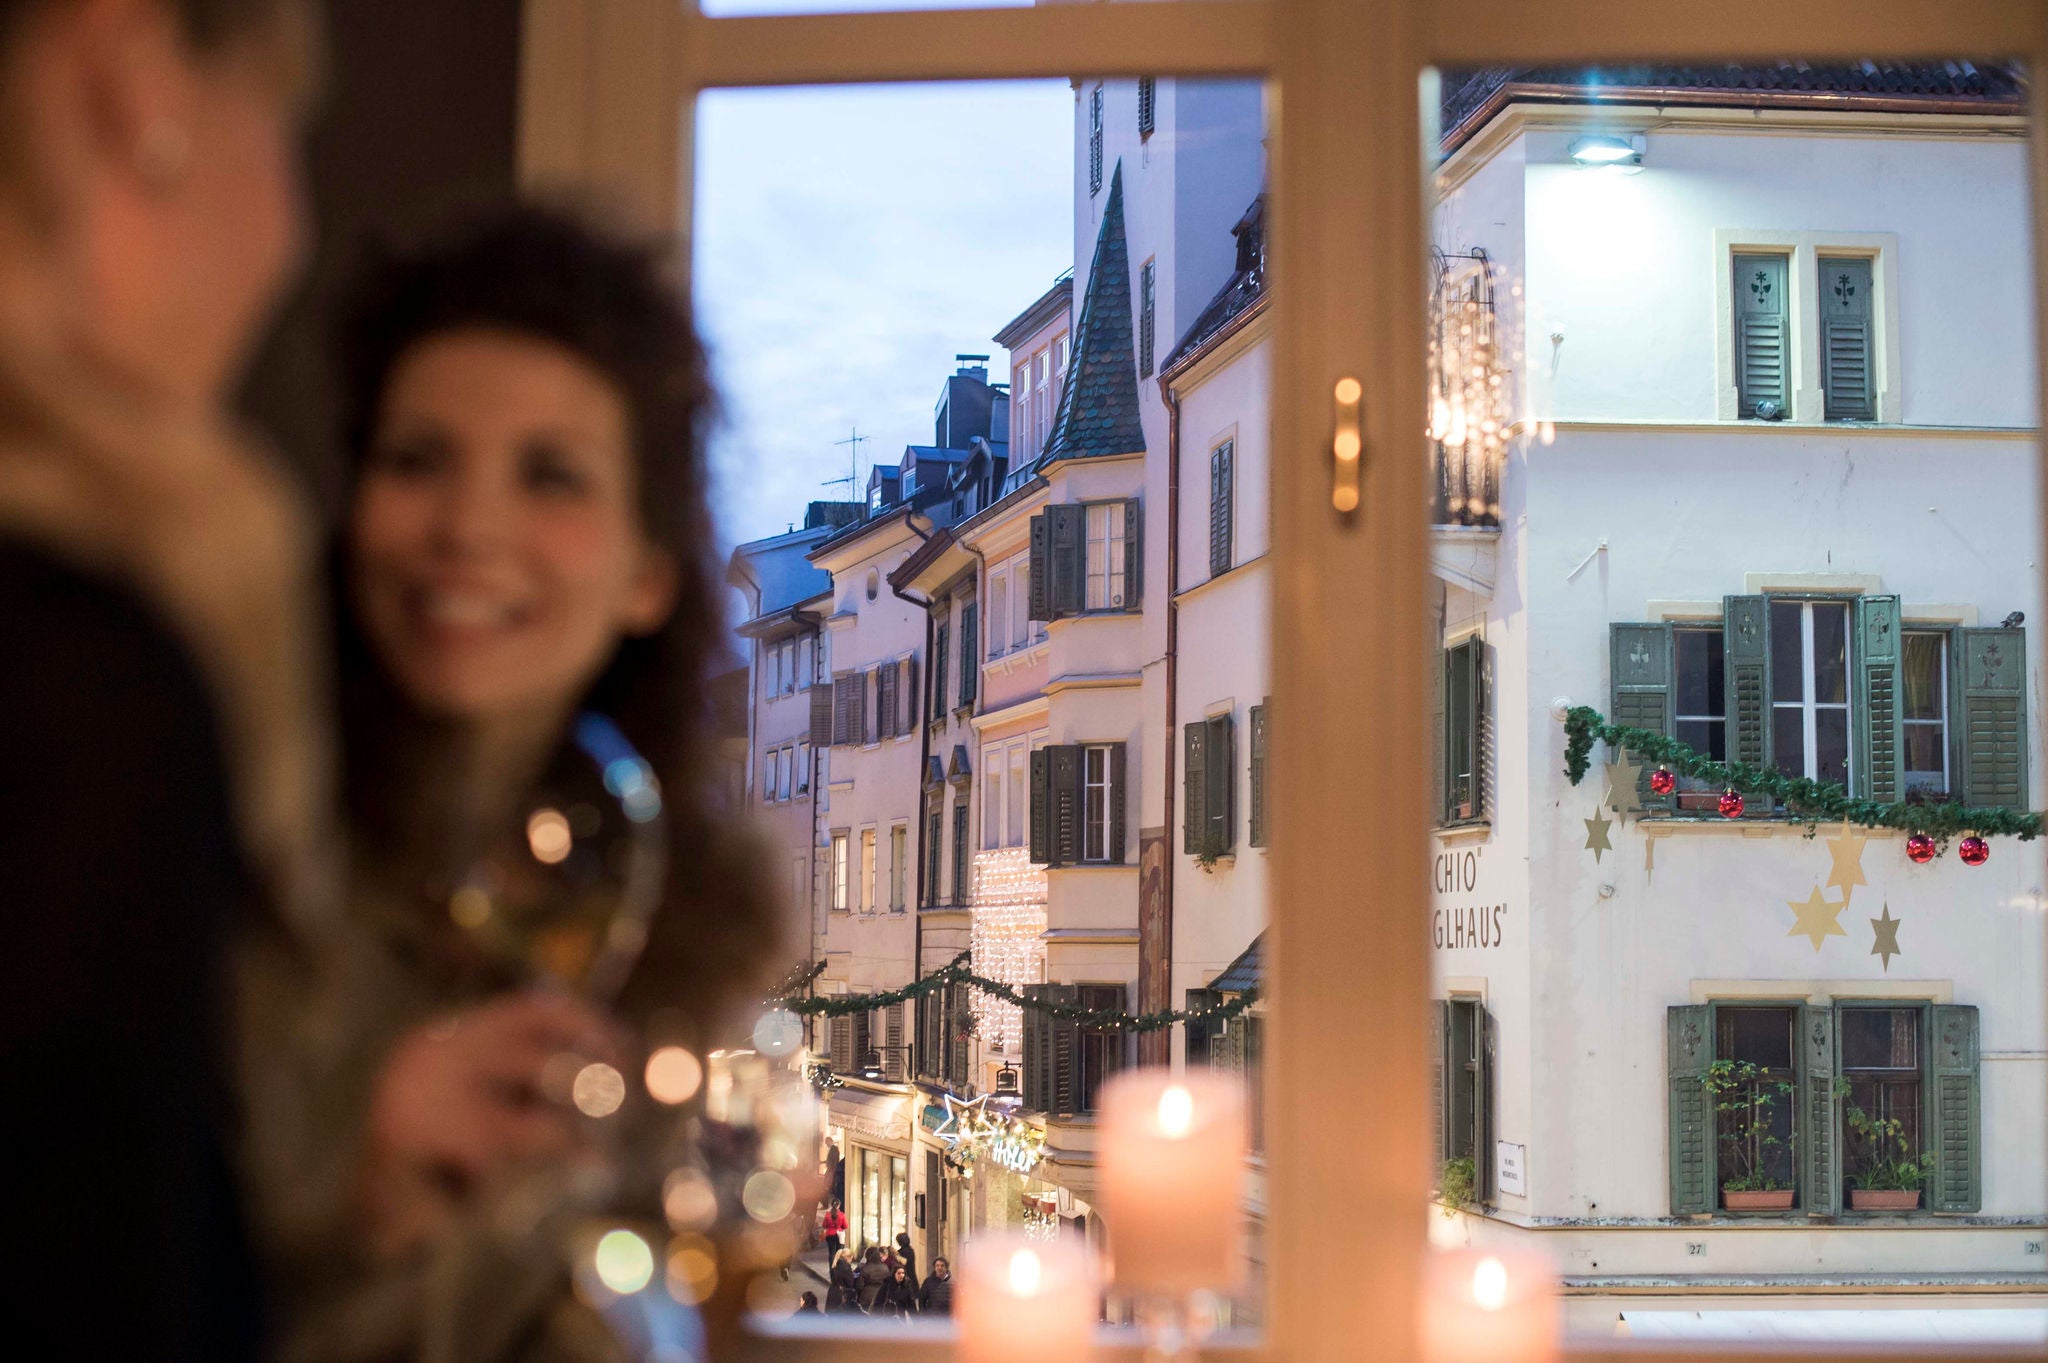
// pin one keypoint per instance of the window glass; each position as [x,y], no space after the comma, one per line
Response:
[1095,808]
[1013,833]
[867,870]
[1788,661]
[1105,561]
[992,797]
[1830,652]
[1753,1050]
[1924,708]
[1882,1107]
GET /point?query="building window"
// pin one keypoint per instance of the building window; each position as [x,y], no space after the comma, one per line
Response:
[1222,506]
[785,759]
[874,583]
[1041,401]
[998,612]
[1881,1071]
[1095,140]
[941,646]
[1924,712]
[1754,1084]
[867,870]
[1013,822]
[806,661]
[1061,353]
[1077,804]
[1148,105]
[899,864]
[1106,556]
[1147,316]
[1464,684]
[961,843]
[970,651]
[1020,601]
[803,768]
[1848,383]
[1102,1048]
[934,846]
[991,798]
[1762,338]
[1209,773]
[839,871]
[1463,1061]
[1095,804]
[1810,689]
[1700,701]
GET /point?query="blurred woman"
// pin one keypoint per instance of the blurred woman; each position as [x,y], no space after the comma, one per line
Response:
[161,767]
[527,544]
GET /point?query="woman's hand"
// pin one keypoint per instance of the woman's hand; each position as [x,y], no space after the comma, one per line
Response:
[465,1099]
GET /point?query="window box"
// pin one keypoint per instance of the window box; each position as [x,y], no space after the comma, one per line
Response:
[1884,1199]
[1758,1200]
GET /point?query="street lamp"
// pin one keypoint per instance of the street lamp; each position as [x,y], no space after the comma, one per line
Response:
[1606,149]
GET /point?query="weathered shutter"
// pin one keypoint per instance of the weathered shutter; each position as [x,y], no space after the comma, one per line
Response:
[1066,804]
[1069,555]
[970,650]
[1957,1146]
[1688,1046]
[1219,509]
[1816,1125]
[1640,688]
[925,1054]
[941,650]
[1066,1053]
[821,716]
[892,1043]
[1462,745]
[1257,832]
[885,702]
[1482,1098]
[843,1058]
[1746,677]
[1846,351]
[1041,806]
[962,890]
[863,1038]
[1134,556]
[1037,1053]
[1762,335]
[846,709]
[912,707]
[1993,670]
[1040,595]
[956,1042]
[1147,104]
[1199,1034]
[1439,1076]
[1119,767]
[1462,1115]
[1221,797]
[1195,786]
[1879,732]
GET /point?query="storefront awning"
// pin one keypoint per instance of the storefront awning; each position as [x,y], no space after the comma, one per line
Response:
[1952,1325]
[875,1116]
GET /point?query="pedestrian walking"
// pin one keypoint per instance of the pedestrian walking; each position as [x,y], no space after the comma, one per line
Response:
[936,1297]
[900,1298]
[844,1289]
[874,1281]
[835,1230]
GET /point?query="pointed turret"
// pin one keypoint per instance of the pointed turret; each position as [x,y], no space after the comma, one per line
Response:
[1098,412]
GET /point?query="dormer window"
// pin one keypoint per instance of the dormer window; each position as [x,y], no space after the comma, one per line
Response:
[909,481]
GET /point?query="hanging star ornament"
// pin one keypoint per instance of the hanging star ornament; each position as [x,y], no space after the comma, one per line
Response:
[1887,944]
[1817,918]
[963,1117]
[1624,785]
[1596,834]
[1847,851]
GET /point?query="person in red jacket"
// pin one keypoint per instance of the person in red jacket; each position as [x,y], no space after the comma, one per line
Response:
[835,1231]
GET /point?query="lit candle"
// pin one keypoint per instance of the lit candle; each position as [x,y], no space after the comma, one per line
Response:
[1489,1306]
[1172,1159]
[1019,1297]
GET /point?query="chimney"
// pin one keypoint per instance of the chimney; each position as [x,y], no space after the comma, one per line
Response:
[972,367]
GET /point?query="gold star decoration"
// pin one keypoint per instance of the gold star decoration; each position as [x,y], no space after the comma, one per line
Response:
[1817,917]
[1624,785]
[1847,850]
[1887,944]
[1596,834]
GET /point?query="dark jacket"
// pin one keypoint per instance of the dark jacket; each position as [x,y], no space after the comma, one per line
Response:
[937,1295]
[120,849]
[907,1257]
[845,1293]
[900,1299]
[874,1281]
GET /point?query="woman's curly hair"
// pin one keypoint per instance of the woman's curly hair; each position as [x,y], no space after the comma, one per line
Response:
[617,305]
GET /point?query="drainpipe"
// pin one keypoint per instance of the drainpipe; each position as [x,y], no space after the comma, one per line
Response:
[1158,1046]
[924,754]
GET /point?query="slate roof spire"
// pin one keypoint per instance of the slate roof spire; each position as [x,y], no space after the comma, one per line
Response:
[1098,412]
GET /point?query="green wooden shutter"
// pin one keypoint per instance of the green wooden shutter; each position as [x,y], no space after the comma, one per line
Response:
[1439,1076]
[1066,804]
[1482,735]
[1040,599]
[1640,688]
[912,705]
[957,1007]
[1462,1116]
[1880,736]
[1069,559]
[1199,1033]
[1066,1053]
[1037,1053]
[892,1043]
[941,651]
[1194,787]
[1221,479]
[1257,832]
[1041,806]
[1220,799]
[1746,677]
[1846,350]
[1119,778]
[885,701]
[1688,1046]
[1957,1185]
[1762,335]
[1992,664]
[1816,1124]
[970,650]
[1134,556]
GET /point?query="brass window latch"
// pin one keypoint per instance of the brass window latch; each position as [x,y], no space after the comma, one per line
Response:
[1347,447]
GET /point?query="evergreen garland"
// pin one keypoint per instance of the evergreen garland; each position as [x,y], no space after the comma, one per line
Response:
[958,972]
[1812,802]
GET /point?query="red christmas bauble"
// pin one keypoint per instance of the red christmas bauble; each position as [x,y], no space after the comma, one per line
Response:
[1973,850]
[1663,782]
[1731,804]
[1920,849]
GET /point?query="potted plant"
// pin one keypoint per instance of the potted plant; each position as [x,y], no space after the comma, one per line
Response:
[1744,1097]
[1456,1184]
[1889,1172]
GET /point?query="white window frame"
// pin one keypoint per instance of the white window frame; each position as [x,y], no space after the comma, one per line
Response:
[997,627]
[1017,817]
[838,869]
[1113,577]
[993,778]
[802,783]
[1096,822]
[899,859]
[1940,723]
[596,113]
[870,868]
[1808,707]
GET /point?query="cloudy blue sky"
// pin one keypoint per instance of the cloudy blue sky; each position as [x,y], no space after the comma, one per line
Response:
[848,243]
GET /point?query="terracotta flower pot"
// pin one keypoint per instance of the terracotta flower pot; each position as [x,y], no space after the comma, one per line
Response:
[1884,1199]
[1760,1200]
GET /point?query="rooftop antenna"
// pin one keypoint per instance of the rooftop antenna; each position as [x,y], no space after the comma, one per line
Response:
[852,478]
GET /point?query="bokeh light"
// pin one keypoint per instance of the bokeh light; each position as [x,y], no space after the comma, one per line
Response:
[674,1075]
[688,1200]
[624,1262]
[692,1269]
[598,1090]
[768,1196]
[547,834]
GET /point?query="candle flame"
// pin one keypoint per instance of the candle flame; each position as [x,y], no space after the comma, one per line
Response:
[1025,1272]
[1176,1112]
[1490,1284]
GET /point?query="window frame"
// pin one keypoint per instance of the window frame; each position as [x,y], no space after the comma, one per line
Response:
[838,868]
[1808,707]
[1096,829]
[599,111]
[899,855]
[1944,708]
[870,867]
[1114,518]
